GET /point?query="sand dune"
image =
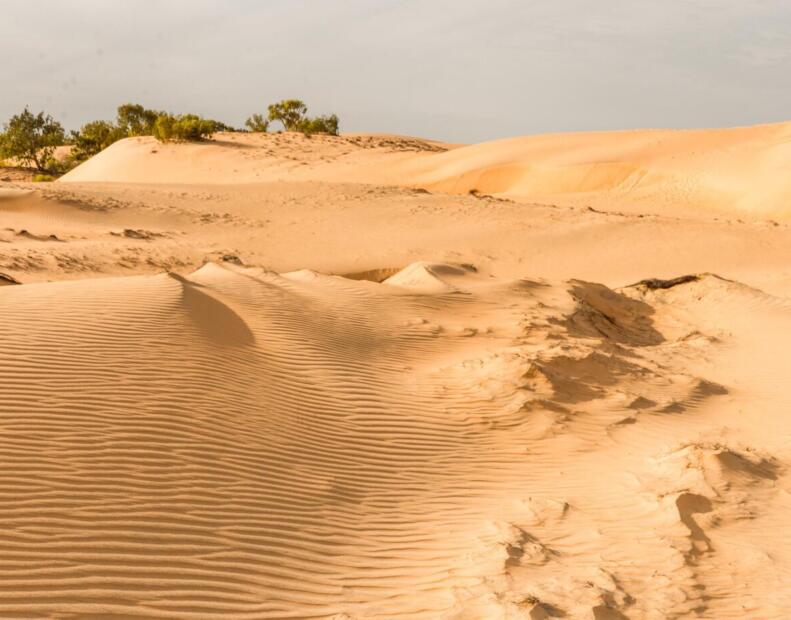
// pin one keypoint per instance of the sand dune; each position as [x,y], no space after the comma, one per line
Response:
[278,377]
[746,169]
[232,158]
[743,169]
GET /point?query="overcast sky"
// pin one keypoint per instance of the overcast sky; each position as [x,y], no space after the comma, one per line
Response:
[461,70]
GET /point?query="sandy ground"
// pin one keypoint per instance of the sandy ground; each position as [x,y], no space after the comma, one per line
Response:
[272,376]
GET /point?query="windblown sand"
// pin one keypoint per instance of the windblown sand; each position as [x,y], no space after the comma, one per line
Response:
[271,376]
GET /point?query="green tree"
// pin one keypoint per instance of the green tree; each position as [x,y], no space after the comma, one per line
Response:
[290,112]
[135,120]
[163,127]
[94,137]
[32,138]
[257,123]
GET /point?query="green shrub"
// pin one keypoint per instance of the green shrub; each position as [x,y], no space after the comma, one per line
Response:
[43,178]
[135,120]
[220,126]
[192,127]
[94,137]
[58,167]
[186,127]
[31,138]
[320,124]
[257,123]
[163,127]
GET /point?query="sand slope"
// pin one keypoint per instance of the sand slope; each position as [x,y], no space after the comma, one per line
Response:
[744,169]
[231,158]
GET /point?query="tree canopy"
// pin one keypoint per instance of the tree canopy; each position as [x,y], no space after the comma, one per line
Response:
[257,123]
[293,115]
[32,138]
[290,112]
[94,137]
[135,120]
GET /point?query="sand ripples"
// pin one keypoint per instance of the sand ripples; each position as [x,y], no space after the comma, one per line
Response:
[231,443]
[239,443]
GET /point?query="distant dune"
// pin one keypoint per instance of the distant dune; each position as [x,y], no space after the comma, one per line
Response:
[746,169]
[372,377]
[742,169]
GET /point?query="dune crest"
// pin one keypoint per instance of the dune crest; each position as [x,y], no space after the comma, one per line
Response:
[741,169]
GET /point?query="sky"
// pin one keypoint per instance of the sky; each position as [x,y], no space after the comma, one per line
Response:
[455,70]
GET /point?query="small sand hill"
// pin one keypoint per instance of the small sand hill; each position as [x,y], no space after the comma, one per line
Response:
[746,169]
[231,158]
[238,443]
[429,277]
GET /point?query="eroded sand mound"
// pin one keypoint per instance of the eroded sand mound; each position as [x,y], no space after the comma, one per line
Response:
[443,444]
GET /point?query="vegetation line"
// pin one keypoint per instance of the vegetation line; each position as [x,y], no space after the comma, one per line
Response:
[31,139]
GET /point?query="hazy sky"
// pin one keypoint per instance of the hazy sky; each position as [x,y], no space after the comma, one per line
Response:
[463,70]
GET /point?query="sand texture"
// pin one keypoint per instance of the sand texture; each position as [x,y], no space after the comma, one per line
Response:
[380,377]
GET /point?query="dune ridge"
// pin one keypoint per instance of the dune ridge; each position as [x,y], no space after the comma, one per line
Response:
[742,170]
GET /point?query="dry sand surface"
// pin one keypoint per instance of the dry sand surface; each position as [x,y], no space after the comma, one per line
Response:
[271,376]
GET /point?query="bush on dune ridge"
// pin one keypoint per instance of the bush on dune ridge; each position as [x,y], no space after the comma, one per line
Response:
[133,119]
[320,124]
[257,124]
[290,113]
[32,138]
[186,127]
[293,115]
